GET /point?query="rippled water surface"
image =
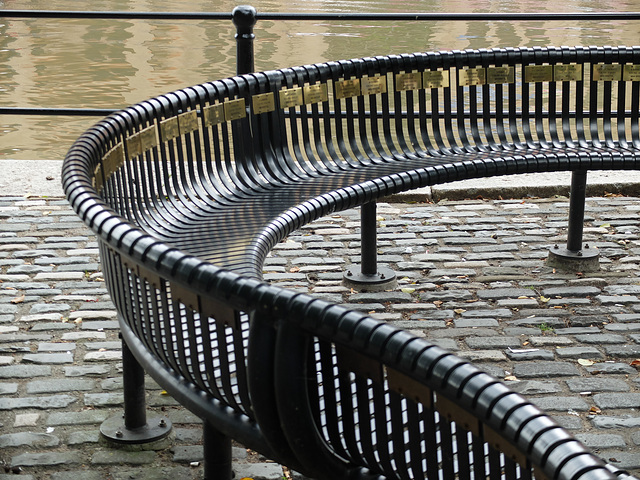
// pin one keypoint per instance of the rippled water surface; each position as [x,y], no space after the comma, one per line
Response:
[115,63]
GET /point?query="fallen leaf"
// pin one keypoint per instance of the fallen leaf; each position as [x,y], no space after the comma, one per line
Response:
[407,290]
[585,363]
[635,363]
[459,310]
[19,299]
[595,410]
[511,378]
[544,299]
[294,270]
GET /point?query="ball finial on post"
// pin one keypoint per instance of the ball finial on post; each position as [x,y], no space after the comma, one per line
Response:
[244,18]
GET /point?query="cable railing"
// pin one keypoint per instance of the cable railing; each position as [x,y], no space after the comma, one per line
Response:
[245,17]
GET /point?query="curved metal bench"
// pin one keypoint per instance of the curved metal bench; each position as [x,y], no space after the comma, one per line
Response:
[188,192]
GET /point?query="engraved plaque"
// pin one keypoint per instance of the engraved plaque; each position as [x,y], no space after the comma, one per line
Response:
[234,109]
[603,72]
[435,79]
[538,73]
[188,122]
[113,159]
[148,138]
[408,81]
[373,85]
[631,73]
[567,73]
[263,103]
[213,115]
[348,88]
[316,93]
[169,129]
[134,147]
[291,97]
[498,75]
[472,76]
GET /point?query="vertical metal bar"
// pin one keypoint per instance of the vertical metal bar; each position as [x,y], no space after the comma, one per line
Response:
[135,413]
[217,454]
[576,210]
[368,252]
[244,18]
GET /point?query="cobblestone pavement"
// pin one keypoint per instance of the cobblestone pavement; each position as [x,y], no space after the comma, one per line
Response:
[472,279]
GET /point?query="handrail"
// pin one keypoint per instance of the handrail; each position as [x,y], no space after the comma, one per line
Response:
[431,16]
[281,16]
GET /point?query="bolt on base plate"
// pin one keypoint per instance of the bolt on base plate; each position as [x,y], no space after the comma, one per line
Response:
[585,260]
[383,279]
[114,430]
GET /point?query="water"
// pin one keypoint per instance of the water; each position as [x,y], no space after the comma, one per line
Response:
[115,63]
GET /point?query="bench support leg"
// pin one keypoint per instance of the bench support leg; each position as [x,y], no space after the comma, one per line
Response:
[133,427]
[368,276]
[217,454]
[576,257]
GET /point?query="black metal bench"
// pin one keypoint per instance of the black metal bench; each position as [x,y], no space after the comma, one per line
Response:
[188,192]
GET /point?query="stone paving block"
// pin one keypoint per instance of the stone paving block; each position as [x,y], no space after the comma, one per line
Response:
[28,439]
[86,417]
[42,403]
[556,403]
[121,457]
[60,385]
[617,400]
[579,352]
[48,358]
[595,384]
[25,371]
[601,440]
[544,369]
[48,459]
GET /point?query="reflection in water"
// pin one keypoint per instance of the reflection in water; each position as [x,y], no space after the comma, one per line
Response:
[115,63]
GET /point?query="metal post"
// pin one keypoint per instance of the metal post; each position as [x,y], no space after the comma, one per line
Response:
[576,210]
[217,454]
[368,235]
[368,276]
[576,257]
[132,427]
[244,18]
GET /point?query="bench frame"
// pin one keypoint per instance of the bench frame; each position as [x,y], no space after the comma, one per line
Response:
[187,193]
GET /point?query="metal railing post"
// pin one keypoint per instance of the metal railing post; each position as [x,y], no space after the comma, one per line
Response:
[244,18]
[368,276]
[576,257]
[132,427]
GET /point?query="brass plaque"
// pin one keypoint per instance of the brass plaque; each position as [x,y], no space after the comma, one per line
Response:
[472,76]
[408,81]
[538,73]
[291,97]
[316,93]
[113,159]
[213,115]
[567,73]
[148,138]
[498,75]
[97,178]
[373,85]
[631,73]
[435,79]
[263,103]
[234,109]
[188,122]
[604,72]
[409,387]
[134,147]
[348,88]
[169,129]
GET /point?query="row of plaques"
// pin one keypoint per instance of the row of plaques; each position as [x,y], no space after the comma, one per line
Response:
[182,124]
